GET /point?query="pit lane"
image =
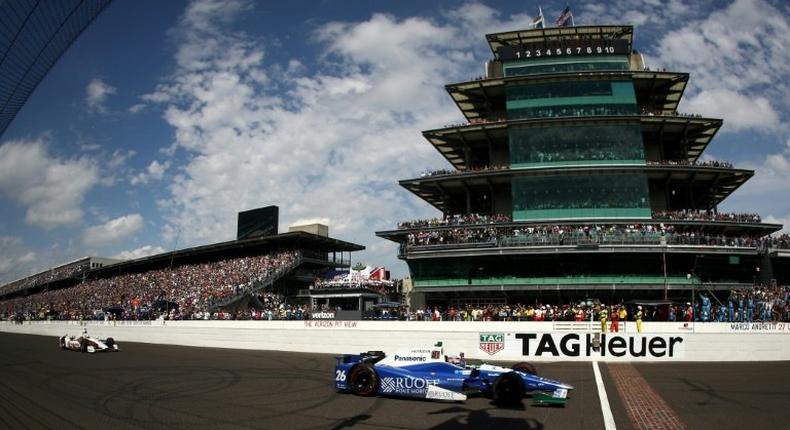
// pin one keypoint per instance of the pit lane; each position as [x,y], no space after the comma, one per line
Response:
[152,386]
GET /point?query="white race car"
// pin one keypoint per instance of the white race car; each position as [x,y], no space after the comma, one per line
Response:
[86,343]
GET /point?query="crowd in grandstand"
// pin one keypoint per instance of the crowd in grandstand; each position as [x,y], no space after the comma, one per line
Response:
[55,274]
[380,285]
[180,292]
[271,307]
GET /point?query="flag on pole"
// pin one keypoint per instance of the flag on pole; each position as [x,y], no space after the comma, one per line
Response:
[537,22]
[566,17]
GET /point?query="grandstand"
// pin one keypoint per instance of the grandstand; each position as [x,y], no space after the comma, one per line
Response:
[64,274]
[33,36]
[574,176]
[228,277]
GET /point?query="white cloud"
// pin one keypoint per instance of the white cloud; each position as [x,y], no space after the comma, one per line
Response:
[51,189]
[141,252]
[766,192]
[784,220]
[29,257]
[137,108]
[735,55]
[647,14]
[327,141]
[741,111]
[10,247]
[119,158]
[96,94]
[112,231]
[154,172]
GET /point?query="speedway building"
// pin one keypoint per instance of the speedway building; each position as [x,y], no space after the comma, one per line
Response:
[575,176]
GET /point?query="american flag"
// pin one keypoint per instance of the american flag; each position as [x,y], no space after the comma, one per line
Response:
[566,15]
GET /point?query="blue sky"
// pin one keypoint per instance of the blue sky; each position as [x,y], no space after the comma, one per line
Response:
[165,119]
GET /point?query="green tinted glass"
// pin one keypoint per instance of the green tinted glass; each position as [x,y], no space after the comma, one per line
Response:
[558,197]
[586,144]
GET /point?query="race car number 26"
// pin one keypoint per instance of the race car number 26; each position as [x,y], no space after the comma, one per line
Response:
[340,375]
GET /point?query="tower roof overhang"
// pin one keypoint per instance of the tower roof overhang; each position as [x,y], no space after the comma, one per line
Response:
[456,142]
[660,90]
[496,41]
[444,191]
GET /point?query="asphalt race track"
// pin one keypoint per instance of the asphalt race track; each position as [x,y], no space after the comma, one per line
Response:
[149,386]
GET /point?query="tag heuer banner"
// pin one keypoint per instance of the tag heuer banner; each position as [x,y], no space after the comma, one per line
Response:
[492,342]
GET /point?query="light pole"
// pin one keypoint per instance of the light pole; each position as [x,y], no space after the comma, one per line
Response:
[664,260]
[693,277]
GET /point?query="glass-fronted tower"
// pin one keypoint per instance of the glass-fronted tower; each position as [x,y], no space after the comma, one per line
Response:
[574,173]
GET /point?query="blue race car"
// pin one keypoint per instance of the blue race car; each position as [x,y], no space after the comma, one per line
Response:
[429,374]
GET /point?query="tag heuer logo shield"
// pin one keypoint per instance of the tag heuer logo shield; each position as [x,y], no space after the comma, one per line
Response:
[492,342]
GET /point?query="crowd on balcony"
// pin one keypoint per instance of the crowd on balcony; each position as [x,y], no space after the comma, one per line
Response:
[656,112]
[482,120]
[552,235]
[760,303]
[706,216]
[429,173]
[43,278]
[458,219]
[379,285]
[474,219]
[474,121]
[682,162]
[781,241]
[181,292]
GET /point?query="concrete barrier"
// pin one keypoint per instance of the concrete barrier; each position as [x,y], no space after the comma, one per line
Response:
[492,340]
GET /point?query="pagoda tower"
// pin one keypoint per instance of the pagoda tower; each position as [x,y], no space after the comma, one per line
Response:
[575,176]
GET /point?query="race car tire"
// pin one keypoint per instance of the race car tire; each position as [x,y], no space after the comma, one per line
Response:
[110,342]
[62,342]
[526,368]
[508,389]
[363,381]
[83,345]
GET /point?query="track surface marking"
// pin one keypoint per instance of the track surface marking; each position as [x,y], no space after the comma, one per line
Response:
[645,407]
[148,386]
[606,410]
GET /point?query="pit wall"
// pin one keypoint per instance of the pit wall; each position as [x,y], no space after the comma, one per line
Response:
[500,341]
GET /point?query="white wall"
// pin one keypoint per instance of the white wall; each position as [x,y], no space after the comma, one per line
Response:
[700,342]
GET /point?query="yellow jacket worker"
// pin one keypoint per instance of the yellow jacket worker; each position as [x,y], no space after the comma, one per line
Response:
[639,319]
[603,316]
[623,315]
